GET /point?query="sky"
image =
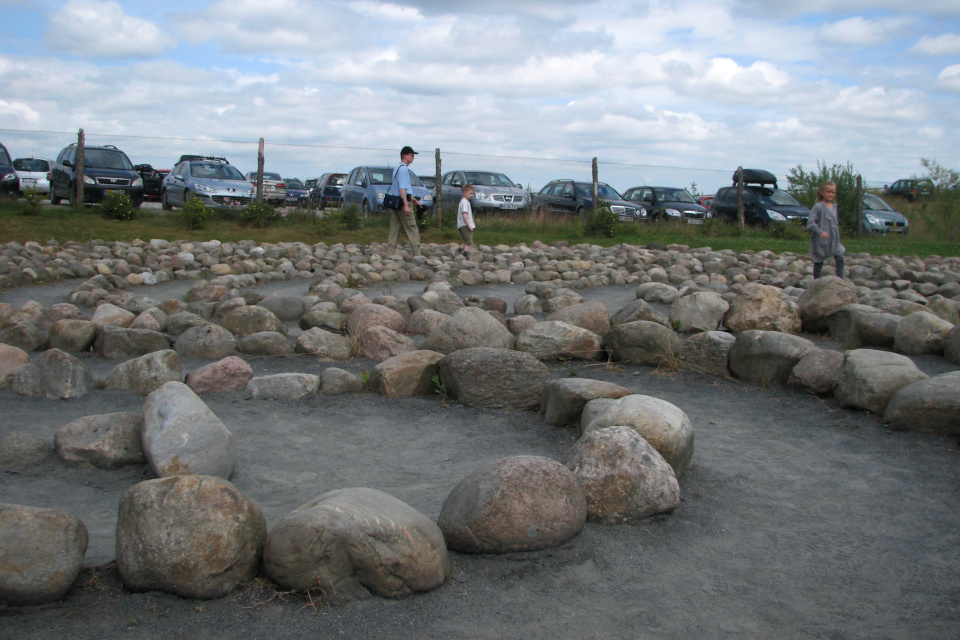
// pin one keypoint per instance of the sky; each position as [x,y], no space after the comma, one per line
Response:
[709,84]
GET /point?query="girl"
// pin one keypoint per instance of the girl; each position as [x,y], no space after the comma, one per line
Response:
[824,228]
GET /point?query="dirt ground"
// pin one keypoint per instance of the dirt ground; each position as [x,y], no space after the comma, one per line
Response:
[798,520]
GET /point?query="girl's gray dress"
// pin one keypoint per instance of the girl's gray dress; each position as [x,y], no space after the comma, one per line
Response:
[824,218]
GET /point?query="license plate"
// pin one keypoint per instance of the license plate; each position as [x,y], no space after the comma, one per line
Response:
[106,191]
[694,221]
[508,206]
[29,181]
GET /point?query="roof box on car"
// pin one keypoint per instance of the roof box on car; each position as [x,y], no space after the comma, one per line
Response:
[756,176]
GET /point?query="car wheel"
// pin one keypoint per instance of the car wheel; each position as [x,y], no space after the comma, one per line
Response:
[164,202]
[365,209]
[54,199]
[581,213]
[72,196]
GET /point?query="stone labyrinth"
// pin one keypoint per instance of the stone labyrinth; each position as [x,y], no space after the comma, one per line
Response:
[191,533]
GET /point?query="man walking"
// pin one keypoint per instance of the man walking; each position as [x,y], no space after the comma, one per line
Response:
[403,218]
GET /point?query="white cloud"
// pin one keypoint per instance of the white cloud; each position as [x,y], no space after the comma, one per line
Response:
[949,78]
[943,45]
[96,29]
[861,32]
[18,114]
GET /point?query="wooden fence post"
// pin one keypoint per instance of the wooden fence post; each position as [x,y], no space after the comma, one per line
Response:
[437,205]
[740,198]
[260,170]
[78,169]
[596,189]
[859,207]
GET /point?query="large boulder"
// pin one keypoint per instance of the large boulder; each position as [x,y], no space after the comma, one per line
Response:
[708,352]
[380,343]
[109,314]
[407,374]
[662,424]
[323,344]
[425,321]
[283,386]
[117,343]
[860,325]
[28,336]
[643,342]
[495,378]
[592,316]
[250,319]
[639,309]
[105,441]
[623,477]
[371,315]
[763,307]
[73,335]
[286,307]
[869,379]
[818,372]
[229,374]
[181,435]
[699,311]
[41,554]
[519,503]
[767,357]
[54,374]
[928,406]
[265,343]
[921,332]
[659,292]
[19,449]
[335,381]
[951,345]
[12,359]
[825,295]
[354,542]
[193,536]
[553,340]
[332,321]
[562,400]
[210,341]
[469,327]
[146,373]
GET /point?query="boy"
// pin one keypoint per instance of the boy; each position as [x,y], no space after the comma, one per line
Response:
[465,223]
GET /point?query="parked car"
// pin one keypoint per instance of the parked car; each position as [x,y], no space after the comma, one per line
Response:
[152,180]
[297,194]
[213,181]
[495,192]
[705,201]
[667,203]
[34,173]
[327,190]
[763,202]
[569,196]
[910,188]
[105,169]
[430,182]
[366,186]
[880,217]
[9,182]
[274,188]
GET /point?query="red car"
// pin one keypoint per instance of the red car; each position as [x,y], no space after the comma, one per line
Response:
[705,201]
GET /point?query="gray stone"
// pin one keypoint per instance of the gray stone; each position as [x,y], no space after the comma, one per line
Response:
[24,335]
[817,372]
[54,374]
[12,360]
[699,311]
[469,327]
[425,321]
[519,503]
[324,344]
[708,352]
[639,309]
[495,378]
[105,441]
[826,294]
[407,374]
[379,343]
[73,336]
[562,401]
[209,341]
[193,536]
[334,382]
[869,379]
[951,345]
[265,343]
[592,316]
[643,342]
[181,435]
[117,343]
[623,477]
[41,554]
[354,542]
[554,340]
[283,386]
[928,406]
[762,307]
[767,357]
[229,374]
[332,321]
[921,332]
[20,449]
[251,319]
[286,307]
[183,321]
[528,305]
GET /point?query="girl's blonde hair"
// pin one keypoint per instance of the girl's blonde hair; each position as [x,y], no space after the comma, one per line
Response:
[822,187]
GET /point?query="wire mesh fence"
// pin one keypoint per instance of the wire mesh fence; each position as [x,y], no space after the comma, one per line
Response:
[311,161]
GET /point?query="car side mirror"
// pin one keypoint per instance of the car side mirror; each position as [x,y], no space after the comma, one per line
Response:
[68,163]
[519,186]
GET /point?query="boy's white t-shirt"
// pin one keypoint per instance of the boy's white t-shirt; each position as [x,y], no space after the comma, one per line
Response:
[465,206]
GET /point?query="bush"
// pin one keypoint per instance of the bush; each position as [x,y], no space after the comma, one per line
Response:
[117,205]
[805,184]
[32,203]
[349,217]
[194,213]
[788,231]
[259,214]
[603,223]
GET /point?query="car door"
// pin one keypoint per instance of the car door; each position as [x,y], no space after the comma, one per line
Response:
[352,191]
[60,176]
[451,190]
[176,186]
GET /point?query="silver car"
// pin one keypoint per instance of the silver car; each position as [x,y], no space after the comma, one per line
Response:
[34,174]
[213,181]
[495,192]
[274,188]
[880,217]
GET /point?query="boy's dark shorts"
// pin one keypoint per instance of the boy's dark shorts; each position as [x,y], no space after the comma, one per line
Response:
[467,234]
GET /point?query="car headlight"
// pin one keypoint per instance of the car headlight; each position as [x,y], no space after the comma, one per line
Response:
[426,200]
[776,216]
[673,213]
[203,187]
[618,209]
[9,177]
[88,180]
[872,219]
[137,182]
[380,196]
[485,197]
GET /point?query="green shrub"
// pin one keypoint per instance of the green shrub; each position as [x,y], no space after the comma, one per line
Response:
[32,203]
[349,217]
[260,214]
[117,205]
[194,213]
[602,223]
[787,231]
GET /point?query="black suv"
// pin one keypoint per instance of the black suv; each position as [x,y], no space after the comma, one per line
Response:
[9,182]
[910,189]
[667,203]
[105,169]
[763,202]
[569,196]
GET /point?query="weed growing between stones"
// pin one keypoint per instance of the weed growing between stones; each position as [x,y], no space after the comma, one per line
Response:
[117,205]
[194,213]
[32,203]
[441,390]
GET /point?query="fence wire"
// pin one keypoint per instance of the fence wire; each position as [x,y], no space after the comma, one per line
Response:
[311,161]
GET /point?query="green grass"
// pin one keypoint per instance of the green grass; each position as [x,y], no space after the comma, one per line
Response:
[930,223]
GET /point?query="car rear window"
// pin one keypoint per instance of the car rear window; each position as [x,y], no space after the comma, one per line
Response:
[31,164]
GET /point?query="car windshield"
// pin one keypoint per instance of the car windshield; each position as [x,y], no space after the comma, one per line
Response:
[271,176]
[215,171]
[674,195]
[606,192]
[4,156]
[293,183]
[30,164]
[873,203]
[775,197]
[337,180]
[106,159]
[382,175]
[487,179]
